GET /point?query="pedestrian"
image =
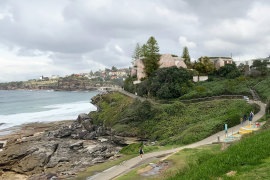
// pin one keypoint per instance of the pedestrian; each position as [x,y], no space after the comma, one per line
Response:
[241,120]
[245,117]
[250,120]
[141,152]
[251,115]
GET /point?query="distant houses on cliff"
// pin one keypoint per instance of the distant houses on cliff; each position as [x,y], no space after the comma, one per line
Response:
[168,60]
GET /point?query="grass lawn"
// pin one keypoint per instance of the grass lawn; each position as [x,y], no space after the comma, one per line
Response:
[179,161]
[101,167]
[248,158]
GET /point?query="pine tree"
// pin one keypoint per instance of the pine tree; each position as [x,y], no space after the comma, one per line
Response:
[152,47]
[144,50]
[137,52]
[185,55]
[150,52]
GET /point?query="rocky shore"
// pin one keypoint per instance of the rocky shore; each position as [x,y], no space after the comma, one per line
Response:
[58,150]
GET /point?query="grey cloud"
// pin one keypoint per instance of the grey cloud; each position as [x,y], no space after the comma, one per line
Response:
[82,35]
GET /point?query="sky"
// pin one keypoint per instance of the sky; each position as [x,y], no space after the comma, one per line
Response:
[60,37]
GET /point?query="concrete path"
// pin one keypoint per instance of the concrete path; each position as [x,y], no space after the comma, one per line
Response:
[129,165]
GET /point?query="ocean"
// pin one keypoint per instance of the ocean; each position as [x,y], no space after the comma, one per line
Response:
[19,107]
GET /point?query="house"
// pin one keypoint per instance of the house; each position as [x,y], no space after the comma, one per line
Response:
[121,73]
[250,62]
[54,77]
[221,61]
[166,60]
[112,73]
[43,78]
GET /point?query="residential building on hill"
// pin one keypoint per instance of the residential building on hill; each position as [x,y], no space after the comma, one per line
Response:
[221,61]
[166,60]
[250,62]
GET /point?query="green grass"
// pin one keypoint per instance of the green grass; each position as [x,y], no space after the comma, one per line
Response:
[219,87]
[263,89]
[246,157]
[133,175]
[261,171]
[168,123]
[134,148]
[179,161]
[101,167]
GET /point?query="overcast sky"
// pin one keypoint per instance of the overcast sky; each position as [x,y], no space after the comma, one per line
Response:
[45,37]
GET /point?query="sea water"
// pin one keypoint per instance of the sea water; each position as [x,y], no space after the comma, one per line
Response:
[19,107]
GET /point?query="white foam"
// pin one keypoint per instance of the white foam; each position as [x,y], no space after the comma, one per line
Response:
[54,112]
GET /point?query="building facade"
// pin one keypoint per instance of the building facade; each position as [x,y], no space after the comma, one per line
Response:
[221,61]
[166,60]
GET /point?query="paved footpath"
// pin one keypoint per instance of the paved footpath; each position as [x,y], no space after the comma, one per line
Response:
[129,165]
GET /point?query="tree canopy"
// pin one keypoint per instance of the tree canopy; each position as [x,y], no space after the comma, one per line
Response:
[171,82]
[204,66]
[137,52]
[150,51]
[229,71]
[261,66]
[114,68]
[185,55]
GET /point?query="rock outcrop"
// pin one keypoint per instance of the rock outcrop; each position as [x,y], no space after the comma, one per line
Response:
[67,149]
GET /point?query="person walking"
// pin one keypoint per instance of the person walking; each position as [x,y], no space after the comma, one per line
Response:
[241,120]
[141,152]
[245,117]
[251,115]
[249,120]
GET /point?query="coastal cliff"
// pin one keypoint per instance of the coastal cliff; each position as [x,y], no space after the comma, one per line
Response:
[65,84]
[59,151]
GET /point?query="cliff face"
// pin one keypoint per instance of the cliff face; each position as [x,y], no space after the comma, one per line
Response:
[64,84]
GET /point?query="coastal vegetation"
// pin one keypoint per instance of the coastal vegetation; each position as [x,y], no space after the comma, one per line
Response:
[217,87]
[247,159]
[263,89]
[166,83]
[168,123]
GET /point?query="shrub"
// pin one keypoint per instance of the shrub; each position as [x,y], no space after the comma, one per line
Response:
[229,71]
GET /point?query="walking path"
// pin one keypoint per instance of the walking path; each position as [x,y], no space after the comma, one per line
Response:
[134,96]
[130,164]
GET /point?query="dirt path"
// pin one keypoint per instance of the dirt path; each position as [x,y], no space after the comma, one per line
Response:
[129,165]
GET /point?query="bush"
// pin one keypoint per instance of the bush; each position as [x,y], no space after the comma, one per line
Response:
[170,82]
[135,147]
[128,84]
[229,71]
[169,123]
[131,148]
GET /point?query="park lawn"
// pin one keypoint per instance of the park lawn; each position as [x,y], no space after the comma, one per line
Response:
[178,162]
[249,158]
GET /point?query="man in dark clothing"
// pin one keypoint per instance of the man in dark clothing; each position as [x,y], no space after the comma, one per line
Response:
[245,117]
[141,152]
